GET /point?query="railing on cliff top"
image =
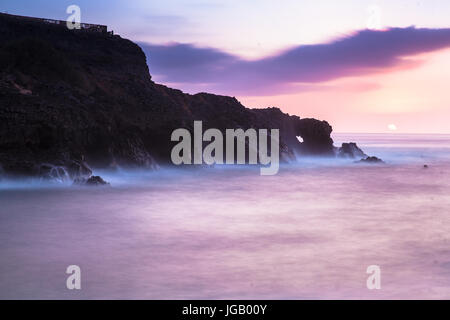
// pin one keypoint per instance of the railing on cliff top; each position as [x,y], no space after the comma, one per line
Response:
[84,26]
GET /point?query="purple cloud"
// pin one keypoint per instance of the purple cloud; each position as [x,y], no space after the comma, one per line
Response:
[299,68]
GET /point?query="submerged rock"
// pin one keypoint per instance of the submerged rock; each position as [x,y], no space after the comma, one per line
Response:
[373,160]
[92,181]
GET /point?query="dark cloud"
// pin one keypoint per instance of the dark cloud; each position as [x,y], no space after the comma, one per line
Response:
[186,63]
[298,68]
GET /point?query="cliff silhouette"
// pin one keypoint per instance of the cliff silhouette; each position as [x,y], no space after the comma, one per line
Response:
[74,99]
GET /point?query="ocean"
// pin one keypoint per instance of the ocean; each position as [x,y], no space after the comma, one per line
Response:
[309,232]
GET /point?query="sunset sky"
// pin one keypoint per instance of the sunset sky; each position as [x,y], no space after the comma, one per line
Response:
[364,66]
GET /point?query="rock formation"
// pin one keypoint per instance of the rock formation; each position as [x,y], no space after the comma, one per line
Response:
[70,98]
[371,160]
[350,150]
[91,181]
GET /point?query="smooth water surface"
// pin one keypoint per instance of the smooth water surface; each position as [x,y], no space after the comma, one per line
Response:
[228,233]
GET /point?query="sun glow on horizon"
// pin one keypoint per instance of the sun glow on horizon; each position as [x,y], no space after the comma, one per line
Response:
[392,127]
[415,99]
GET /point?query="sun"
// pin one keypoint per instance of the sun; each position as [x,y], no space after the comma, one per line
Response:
[392,127]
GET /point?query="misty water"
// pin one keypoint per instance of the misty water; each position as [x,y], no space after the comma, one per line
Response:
[228,233]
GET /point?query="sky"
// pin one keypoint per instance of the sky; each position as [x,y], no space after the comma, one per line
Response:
[364,66]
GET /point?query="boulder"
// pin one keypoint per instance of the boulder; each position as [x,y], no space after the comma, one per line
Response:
[350,150]
[371,160]
[92,181]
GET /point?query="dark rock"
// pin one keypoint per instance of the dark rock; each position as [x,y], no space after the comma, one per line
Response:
[350,150]
[316,137]
[96,181]
[372,160]
[91,94]
[425,166]
[79,169]
[92,181]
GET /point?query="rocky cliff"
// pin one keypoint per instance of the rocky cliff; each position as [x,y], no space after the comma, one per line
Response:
[72,98]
